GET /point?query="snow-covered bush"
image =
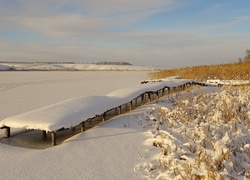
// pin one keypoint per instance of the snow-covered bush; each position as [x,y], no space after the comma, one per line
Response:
[202,136]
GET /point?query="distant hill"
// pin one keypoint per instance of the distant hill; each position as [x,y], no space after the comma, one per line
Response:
[114,63]
[44,66]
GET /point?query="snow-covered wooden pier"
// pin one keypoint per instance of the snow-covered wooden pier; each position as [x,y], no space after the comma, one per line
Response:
[74,112]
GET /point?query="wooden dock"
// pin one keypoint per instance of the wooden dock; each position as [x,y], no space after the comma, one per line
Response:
[139,100]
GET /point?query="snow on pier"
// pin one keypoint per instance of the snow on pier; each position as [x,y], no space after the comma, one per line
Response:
[76,111]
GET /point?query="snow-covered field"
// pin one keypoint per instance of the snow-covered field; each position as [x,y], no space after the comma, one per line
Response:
[199,133]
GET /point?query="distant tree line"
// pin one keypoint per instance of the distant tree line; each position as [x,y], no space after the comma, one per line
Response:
[246,58]
[113,63]
[55,62]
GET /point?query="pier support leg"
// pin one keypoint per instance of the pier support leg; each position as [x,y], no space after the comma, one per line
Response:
[142,98]
[6,131]
[53,138]
[82,126]
[131,105]
[163,92]
[157,96]
[169,91]
[104,117]
[119,110]
[149,97]
[44,135]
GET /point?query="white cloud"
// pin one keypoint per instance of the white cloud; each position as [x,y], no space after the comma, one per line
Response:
[51,17]
[63,25]
[104,7]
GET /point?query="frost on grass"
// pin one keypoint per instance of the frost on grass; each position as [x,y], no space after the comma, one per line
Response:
[197,135]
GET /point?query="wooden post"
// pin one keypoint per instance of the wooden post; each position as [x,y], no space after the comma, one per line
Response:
[163,92]
[7,131]
[142,98]
[149,97]
[169,90]
[44,134]
[83,126]
[53,138]
[104,117]
[131,105]
[119,110]
[157,96]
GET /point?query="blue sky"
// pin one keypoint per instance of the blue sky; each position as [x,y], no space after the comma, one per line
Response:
[162,33]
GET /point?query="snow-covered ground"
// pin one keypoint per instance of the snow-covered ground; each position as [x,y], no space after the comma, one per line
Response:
[203,133]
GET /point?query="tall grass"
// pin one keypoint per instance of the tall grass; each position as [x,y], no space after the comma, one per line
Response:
[232,71]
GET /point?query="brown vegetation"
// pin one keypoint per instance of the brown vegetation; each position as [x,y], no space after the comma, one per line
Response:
[232,71]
